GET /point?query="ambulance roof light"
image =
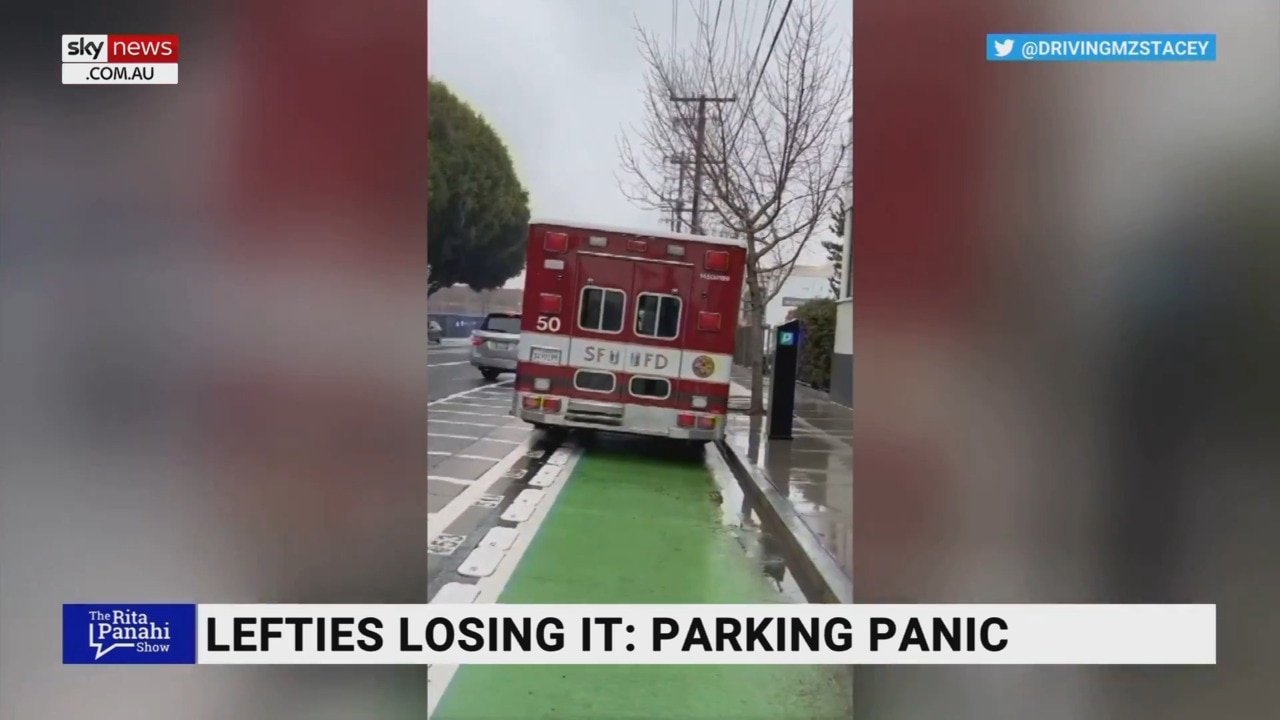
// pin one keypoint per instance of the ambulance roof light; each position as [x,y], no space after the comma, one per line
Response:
[717,260]
[556,242]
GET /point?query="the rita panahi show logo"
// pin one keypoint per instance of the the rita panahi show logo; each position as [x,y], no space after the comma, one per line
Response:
[128,634]
[117,629]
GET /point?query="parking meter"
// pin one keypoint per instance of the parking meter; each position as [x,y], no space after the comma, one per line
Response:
[782,383]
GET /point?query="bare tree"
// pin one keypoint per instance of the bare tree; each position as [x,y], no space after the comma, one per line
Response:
[774,160]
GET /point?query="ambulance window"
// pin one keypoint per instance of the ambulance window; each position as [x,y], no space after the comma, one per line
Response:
[658,316]
[650,387]
[601,309]
[592,381]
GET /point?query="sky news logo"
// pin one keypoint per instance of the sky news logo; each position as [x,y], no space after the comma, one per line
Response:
[128,634]
[120,59]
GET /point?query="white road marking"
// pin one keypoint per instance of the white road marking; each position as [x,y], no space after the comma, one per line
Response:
[451,437]
[450,480]
[471,437]
[463,362]
[464,393]
[464,457]
[445,516]
[474,414]
[491,587]
[521,426]
[482,401]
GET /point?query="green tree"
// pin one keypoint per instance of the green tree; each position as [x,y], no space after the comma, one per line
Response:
[477,209]
[817,342]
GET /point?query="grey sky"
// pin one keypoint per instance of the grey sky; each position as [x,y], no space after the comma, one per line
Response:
[559,80]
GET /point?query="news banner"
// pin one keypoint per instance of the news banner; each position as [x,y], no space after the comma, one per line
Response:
[119,59]
[189,634]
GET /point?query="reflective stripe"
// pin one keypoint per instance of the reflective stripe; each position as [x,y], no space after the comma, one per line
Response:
[633,358]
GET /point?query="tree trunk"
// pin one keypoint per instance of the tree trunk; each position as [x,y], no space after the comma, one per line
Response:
[755,340]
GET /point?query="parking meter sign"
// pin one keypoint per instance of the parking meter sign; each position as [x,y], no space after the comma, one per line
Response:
[787,339]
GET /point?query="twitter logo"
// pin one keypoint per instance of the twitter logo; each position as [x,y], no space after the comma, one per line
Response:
[1004,47]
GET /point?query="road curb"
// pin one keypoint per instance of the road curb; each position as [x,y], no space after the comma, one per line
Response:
[819,576]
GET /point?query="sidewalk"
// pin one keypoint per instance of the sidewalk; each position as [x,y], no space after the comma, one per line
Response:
[809,478]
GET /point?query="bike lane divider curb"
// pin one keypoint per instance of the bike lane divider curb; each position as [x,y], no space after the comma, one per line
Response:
[633,528]
[819,576]
[495,558]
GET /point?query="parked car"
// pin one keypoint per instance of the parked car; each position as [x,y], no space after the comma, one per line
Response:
[434,332]
[495,343]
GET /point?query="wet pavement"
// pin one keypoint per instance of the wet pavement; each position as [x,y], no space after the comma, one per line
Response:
[813,471]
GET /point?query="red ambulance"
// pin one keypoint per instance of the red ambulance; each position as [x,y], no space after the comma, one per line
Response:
[628,331]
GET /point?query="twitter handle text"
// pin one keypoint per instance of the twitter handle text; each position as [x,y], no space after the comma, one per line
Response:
[1102,48]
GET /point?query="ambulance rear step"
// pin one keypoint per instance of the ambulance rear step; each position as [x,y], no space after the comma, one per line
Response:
[594,412]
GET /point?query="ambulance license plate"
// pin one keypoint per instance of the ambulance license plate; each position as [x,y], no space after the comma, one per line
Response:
[547,356]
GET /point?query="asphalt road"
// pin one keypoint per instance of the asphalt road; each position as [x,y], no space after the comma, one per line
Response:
[475,451]
[450,372]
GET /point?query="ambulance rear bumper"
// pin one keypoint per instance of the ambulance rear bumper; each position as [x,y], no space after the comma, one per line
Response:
[649,429]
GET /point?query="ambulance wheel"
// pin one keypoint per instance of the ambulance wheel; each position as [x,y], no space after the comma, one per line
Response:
[489,375]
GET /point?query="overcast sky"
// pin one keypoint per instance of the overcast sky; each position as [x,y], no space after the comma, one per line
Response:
[559,80]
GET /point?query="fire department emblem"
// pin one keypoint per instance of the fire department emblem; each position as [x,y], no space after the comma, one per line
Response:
[704,366]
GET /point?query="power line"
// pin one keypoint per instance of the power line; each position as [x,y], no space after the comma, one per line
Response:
[764,28]
[763,66]
[675,15]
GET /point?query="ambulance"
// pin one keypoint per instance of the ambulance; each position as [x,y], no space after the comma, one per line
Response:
[628,331]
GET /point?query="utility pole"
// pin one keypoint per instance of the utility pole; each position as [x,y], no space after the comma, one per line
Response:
[678,210]
[699,156]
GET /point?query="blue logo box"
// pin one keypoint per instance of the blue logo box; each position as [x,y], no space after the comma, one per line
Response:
[128,634]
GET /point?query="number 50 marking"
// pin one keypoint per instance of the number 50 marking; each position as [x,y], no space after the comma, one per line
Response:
[548,324]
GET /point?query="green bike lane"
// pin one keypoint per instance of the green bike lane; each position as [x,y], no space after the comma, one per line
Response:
[641,525]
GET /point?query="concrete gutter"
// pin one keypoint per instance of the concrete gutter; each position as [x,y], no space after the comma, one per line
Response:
[817,573]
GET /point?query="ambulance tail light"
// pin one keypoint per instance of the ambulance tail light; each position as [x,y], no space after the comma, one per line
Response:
[699,402]
[706,422]
[708,321]
[717,260]
[542,384]
[557,242]
[685,420]
[531,402]
[549,304]
[551,405]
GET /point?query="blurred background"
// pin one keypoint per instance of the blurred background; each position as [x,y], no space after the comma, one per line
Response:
[212,299]
[1066,304]
[212,341]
